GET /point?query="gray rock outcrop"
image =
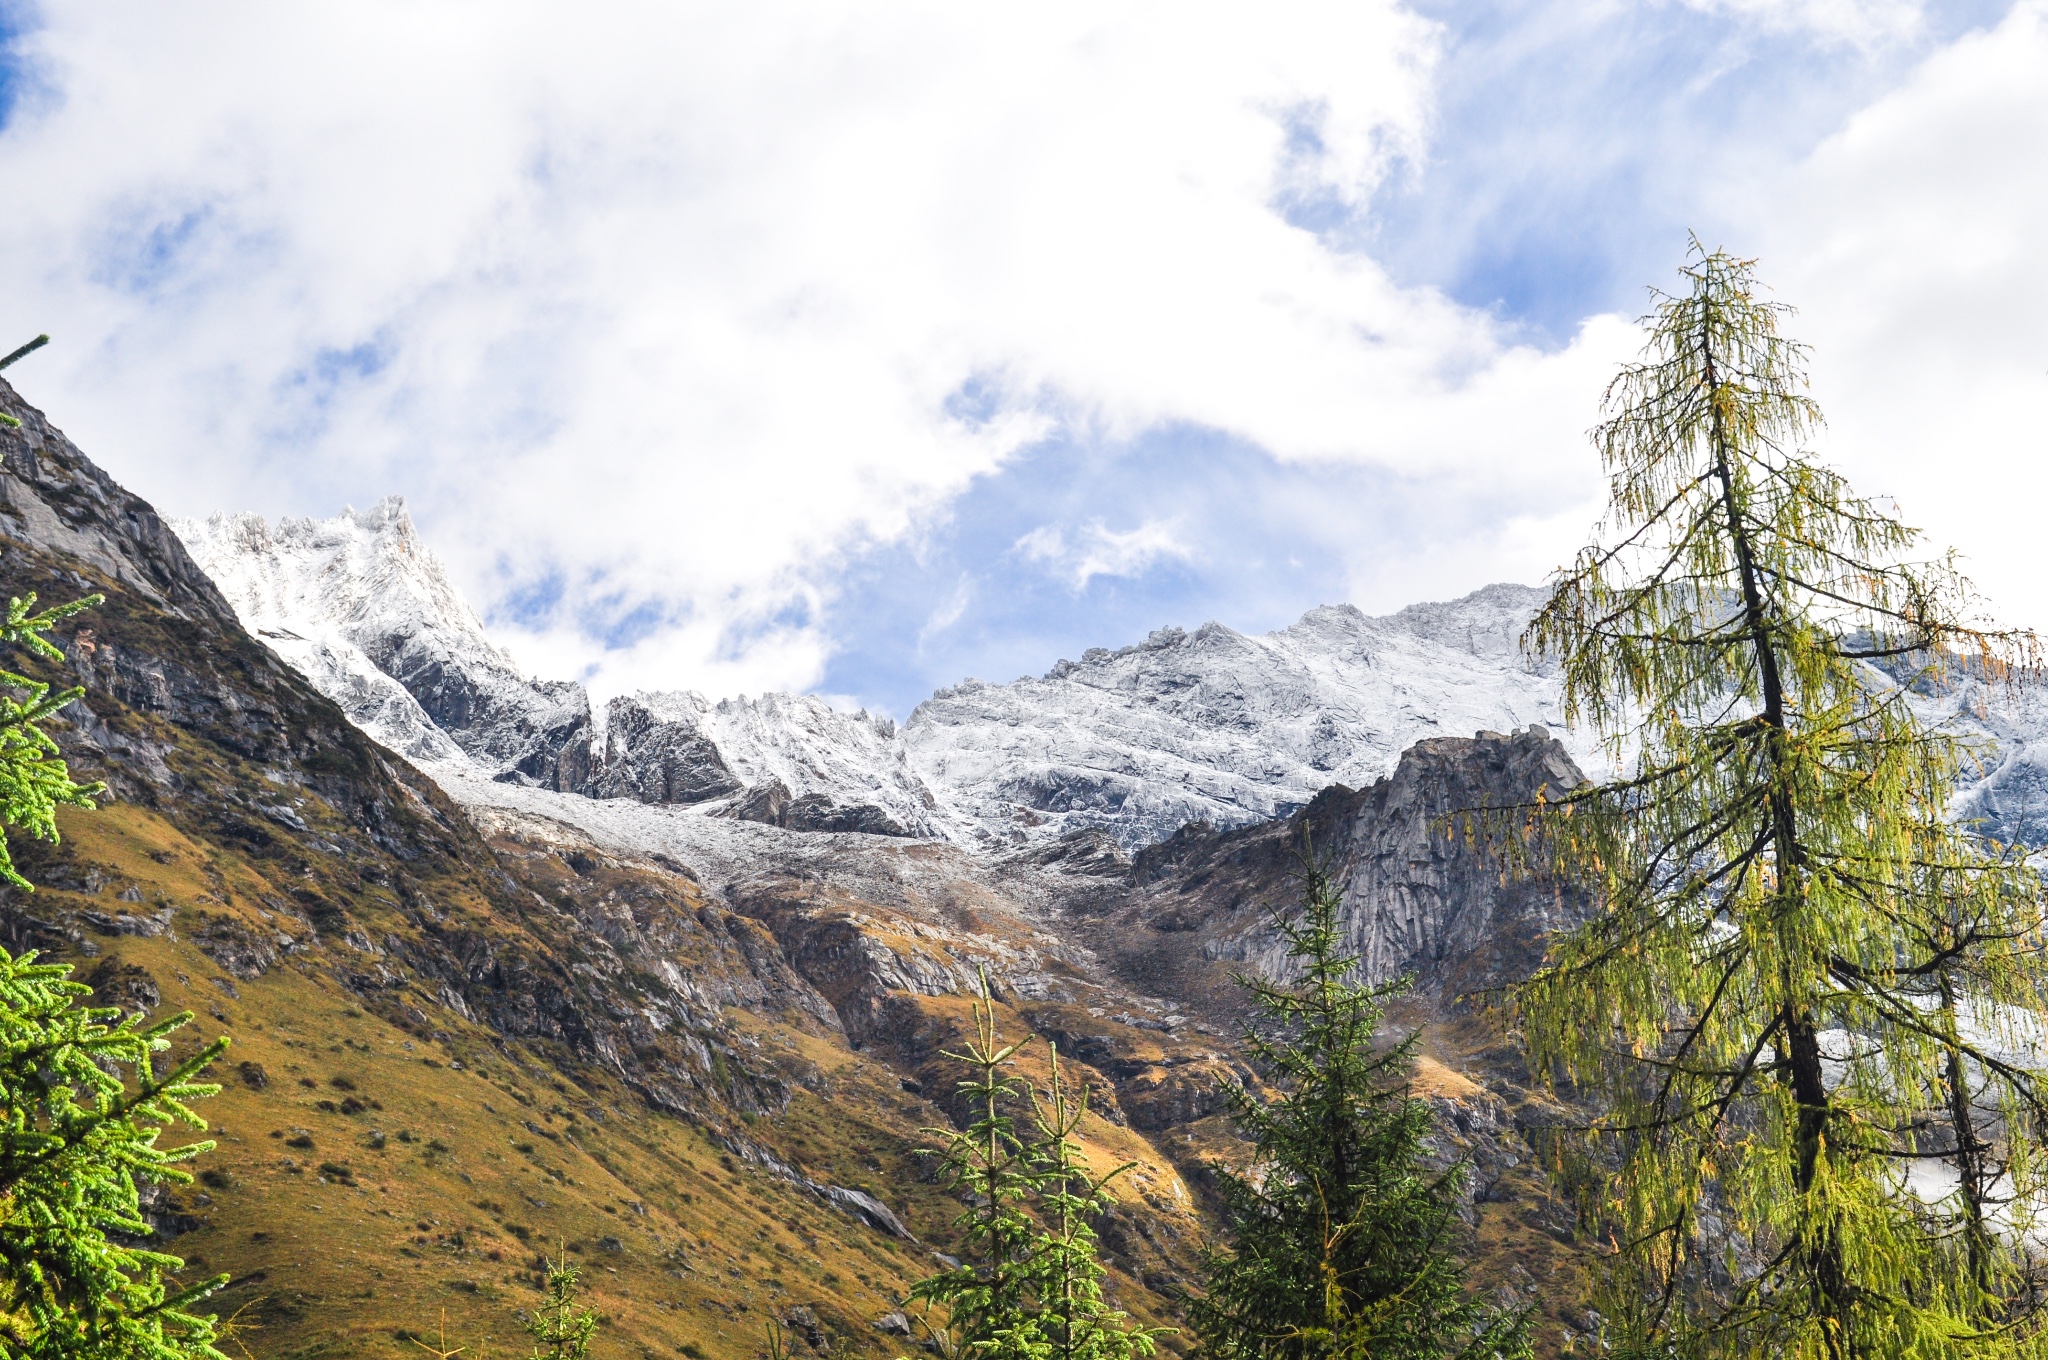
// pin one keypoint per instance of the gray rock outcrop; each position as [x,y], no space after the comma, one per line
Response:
[1422,892]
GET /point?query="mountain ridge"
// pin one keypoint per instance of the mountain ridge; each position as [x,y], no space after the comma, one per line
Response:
[1206,725]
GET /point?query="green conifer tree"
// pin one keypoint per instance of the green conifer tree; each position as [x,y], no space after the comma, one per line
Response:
[1807,1000]
[1342,1244]
[74,1137]
[987,1298]
[561,1327]
[1030,1286]
[34,779]
[1066,1270]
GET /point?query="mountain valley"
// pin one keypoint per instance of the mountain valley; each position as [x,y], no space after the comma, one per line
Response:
[669,985]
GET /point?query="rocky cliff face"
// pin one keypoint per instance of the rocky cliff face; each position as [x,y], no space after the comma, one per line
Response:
[1422,895]
[785,759]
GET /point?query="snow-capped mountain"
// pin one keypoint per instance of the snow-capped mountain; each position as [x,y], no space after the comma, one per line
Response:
[365,611]
[788,759]
[1211,725]
[1226,728]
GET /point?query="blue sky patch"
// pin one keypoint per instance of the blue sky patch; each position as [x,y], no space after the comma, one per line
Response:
[1572,142]
[1260,543]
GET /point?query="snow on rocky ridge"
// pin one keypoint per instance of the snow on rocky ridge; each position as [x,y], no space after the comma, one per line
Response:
[1211,725]
[364,610]
[1218,726]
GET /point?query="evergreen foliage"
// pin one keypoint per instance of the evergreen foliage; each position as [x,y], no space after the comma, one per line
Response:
[74,1139]
[1065,1268]
[561,1327]
[1030,1286]
[34,779]
[1808,1001]
[1341,1240]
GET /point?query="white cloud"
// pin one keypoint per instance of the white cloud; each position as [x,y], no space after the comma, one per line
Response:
[662,311]
[1912,243]
[1103,551]
[668,303]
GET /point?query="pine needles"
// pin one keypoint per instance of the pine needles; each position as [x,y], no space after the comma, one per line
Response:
[1342,1241]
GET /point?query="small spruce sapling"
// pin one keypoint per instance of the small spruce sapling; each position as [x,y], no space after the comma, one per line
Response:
[1031,1288]
[561,1327]
[1074,1321]
[987,1298]
[74,1139]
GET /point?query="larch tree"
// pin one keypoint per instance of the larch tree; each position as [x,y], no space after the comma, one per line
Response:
[1808,1003]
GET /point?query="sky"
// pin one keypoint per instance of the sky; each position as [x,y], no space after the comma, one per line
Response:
[857,349]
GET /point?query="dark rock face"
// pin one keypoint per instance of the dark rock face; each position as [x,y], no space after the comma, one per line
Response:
[816,812]
[125,985]
[165,648]
[830,941]
[537,730]
[771,804]
[663,749]
[656,759]
[1422,894]
[765,803]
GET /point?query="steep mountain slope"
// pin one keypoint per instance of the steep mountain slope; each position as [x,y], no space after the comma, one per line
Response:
[1126,962]
[450,1050]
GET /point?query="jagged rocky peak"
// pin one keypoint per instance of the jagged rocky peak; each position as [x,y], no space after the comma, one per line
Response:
[657,751]
[1209,725]
[785,759]
[359,604]
[1218,726]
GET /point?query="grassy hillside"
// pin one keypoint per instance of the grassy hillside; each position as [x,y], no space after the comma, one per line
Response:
[377,1174]
[453,1053]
